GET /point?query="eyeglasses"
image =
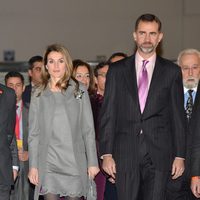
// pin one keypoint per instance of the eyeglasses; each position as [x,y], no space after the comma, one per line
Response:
[81,76]
[193,68]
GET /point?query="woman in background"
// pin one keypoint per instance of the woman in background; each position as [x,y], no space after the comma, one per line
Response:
[61,132]
[83,73]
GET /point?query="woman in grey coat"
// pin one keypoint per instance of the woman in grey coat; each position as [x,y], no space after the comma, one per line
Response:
[62,151]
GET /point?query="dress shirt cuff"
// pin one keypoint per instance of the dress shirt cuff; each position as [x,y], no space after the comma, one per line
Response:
[16,168]
[109,155]
[179,158]
[195,178]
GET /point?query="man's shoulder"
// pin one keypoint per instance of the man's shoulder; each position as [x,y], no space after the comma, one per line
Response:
[166,61]
[124,63]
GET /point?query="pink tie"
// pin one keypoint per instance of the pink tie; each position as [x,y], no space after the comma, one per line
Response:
[143,85]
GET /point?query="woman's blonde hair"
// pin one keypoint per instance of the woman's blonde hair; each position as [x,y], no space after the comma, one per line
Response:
[63,83]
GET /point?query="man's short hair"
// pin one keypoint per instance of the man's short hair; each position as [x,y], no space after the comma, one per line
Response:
[14,74]
[187,52]
[34,59]
[148,18]
[99,66]
[121,54]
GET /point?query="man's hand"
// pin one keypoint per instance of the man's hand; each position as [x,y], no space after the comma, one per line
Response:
[109,166]
[178,168]
[195,186]
[33,176]
[112,180]
[23,155]
[15,173]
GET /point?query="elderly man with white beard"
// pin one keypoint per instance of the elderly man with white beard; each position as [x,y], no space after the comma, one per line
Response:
[189,61]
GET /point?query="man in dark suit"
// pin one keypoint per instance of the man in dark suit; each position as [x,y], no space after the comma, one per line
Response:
[20,191]
[142,132]
[8,148]
[189,61]
[35,73]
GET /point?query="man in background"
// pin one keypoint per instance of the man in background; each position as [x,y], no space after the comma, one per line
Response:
[116,57]
[189,61]
[35,73]
[20,191]
[8,147]
[96,99]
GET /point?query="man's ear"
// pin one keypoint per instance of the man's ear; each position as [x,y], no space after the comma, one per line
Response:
[134,36]
[23,88]
[160,37]
[30,73]
[95,80]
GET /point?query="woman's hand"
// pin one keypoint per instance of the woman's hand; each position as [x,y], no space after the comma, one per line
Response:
[33,176]
[93,171]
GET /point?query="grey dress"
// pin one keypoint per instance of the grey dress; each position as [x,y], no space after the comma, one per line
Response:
[65,181]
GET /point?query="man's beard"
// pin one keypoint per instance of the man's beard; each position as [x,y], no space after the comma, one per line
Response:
[191,82]
[147,50]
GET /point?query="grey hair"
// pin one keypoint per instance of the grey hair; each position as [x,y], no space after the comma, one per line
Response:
[187,52]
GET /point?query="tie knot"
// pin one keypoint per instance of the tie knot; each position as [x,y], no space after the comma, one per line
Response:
[190,92]
[144,63]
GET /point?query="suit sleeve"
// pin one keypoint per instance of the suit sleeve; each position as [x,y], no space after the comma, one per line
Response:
[108,114]
[11,129]
[195,152]
[178,116]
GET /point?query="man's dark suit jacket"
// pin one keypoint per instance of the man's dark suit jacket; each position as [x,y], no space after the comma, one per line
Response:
[8,148]
[26,96]
[162,122]
[194,129]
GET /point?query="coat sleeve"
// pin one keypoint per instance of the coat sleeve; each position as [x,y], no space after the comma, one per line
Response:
[34,131]
[88,131]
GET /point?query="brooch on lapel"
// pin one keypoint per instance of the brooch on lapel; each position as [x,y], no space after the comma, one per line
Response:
[1,91]
[78,94]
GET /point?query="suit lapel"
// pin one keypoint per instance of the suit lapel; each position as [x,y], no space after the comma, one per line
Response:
[156,79]
[196,104]
[25,126]
[131,80]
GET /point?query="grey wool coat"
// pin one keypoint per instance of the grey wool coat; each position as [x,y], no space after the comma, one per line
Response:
[78,108]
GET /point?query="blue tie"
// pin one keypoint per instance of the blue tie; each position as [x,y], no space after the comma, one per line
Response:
[189,104]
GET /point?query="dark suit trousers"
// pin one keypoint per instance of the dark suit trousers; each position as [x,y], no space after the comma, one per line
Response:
[179,189]
[110,191]
[144,182]
[4,192]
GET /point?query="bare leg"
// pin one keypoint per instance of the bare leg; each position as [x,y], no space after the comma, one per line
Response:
[73,198]
[51,196]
